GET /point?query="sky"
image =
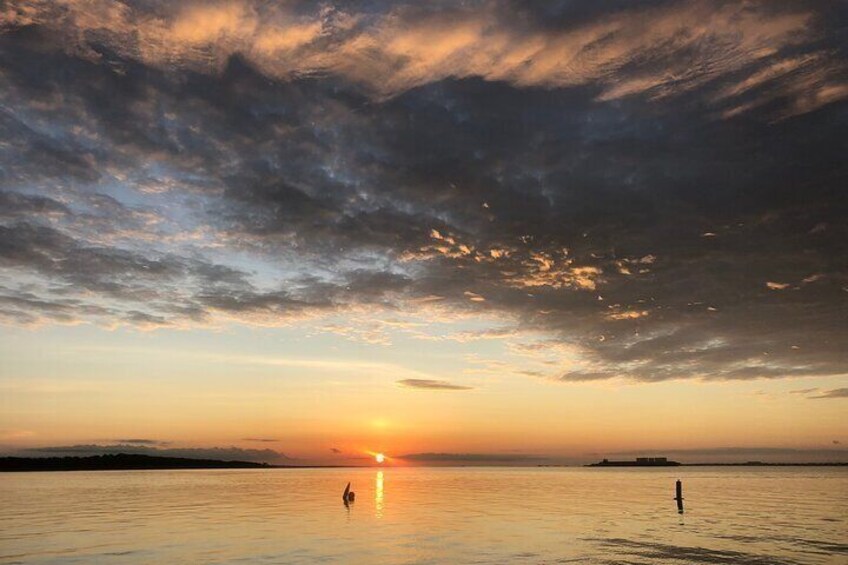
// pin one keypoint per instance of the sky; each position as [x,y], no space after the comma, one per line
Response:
[480,232]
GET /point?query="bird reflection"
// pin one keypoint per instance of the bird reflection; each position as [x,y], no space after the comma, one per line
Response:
[378,495]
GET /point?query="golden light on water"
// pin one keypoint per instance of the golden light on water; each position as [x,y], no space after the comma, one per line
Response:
[378,494]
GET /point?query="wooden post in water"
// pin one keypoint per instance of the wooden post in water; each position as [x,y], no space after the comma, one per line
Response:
[679,496]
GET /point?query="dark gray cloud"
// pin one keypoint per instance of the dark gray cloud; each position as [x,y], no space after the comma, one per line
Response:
[222,453]
[665,228]
[431,384]
[14,204]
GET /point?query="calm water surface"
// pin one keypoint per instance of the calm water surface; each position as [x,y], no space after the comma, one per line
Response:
[447,515]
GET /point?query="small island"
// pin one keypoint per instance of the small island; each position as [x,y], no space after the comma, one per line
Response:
[119,462]
[638,462]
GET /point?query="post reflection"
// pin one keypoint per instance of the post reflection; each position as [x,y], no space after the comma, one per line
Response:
[378,495]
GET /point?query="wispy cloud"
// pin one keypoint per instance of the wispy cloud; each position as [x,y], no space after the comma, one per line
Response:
[658,50]
[141,441]
[833,393]
[431,384]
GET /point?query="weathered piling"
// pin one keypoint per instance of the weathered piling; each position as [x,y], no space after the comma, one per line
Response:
[679,496]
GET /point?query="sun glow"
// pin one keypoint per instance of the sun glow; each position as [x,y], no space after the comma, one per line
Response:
[379,457]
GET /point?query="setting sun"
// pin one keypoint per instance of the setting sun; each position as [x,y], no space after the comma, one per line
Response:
[379,458]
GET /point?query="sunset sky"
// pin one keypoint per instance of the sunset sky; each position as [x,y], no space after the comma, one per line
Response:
[452,232]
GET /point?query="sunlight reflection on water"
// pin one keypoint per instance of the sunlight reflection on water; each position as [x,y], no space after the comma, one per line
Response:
[378,494]
[448,515]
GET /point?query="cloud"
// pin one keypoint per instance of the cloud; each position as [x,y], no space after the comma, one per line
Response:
[656,49]
[476,335]
[833,393]
[431,384]
[14,204]
[547,171]
[261,439]
[817,393]
[141,441]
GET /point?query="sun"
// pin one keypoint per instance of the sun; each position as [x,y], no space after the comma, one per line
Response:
[379,457]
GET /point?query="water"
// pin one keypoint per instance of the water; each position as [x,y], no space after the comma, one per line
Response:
[425,515]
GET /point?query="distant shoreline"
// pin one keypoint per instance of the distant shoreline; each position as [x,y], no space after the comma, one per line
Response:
[747,464]
[763,464]
[136,462]
[651,462]
[130,462]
